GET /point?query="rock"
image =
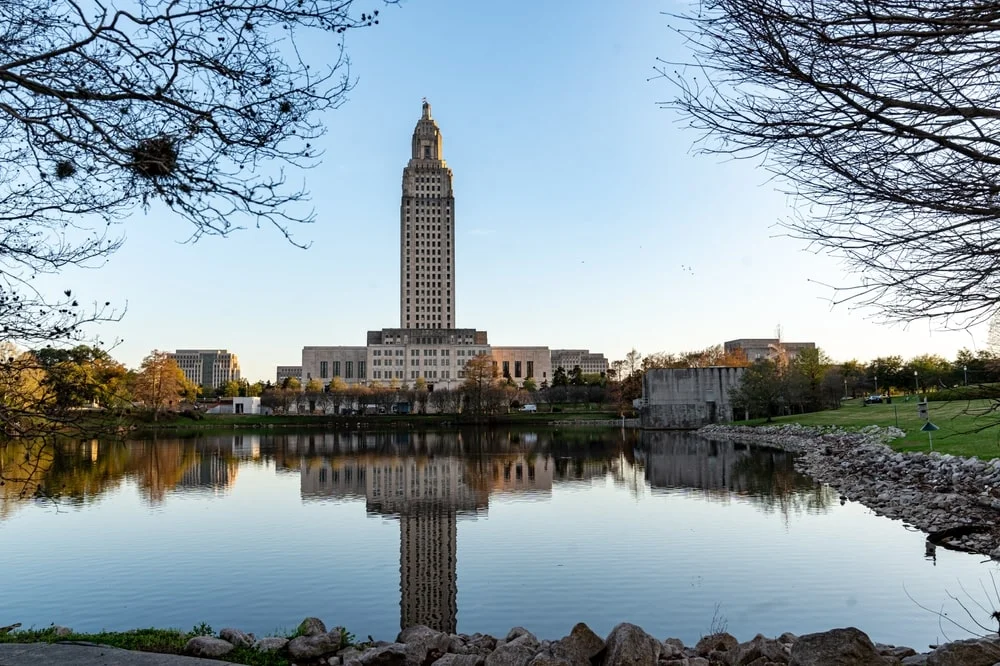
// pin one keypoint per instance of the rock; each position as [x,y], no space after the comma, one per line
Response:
[334,661]
[311,626]
[270,644]
[673,648]
[510,655]
[61,631]
[313,647]
[760,646]
[721,642]
[915,660]
[236,637]
[837,647]
[480,644]
[579,647]
[629,645]
[423,644]
[547,658]
[393,654]
[208,646]
[698,661]
[972,652]
[461,660]
[787,637]
[520,636]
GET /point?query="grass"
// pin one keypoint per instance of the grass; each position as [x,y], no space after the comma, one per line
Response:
[165,641]
[967,427]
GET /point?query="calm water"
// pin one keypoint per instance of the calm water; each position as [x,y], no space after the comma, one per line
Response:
[474,531]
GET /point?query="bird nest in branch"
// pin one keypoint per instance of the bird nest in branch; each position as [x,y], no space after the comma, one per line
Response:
[155,158]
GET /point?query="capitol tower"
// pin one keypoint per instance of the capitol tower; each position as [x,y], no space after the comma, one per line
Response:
[427,233]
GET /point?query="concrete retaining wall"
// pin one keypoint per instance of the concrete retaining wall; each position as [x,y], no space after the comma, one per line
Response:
[688,398]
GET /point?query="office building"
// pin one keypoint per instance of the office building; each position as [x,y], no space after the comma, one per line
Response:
[211,368]
[590,363]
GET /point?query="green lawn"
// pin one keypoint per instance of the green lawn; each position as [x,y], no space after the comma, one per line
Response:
[967,427]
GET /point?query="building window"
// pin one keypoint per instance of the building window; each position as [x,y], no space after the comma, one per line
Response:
[361,369]
[349,369]
[336,368]
[506,369]
[517,368]
[322,370]
[531,369]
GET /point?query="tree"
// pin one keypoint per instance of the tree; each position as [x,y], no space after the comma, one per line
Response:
[230,389]
[175,105]
[292,383]
[480,377]
[160,383]
[82,376]
[314,386]
[576,376]
[760,391]
[559,377]
[881,118]
[529,385]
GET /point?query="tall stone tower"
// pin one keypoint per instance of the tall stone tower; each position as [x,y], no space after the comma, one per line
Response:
[427,233]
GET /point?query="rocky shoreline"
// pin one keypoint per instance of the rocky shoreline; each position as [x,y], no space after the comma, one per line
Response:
[626,645]
[955,500]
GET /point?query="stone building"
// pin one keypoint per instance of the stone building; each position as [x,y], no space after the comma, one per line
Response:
[589,362]
[687,398]
[325,363]
[287,372]
[208,367]
[427,233]
[757,349]
[435,354]
[520,363]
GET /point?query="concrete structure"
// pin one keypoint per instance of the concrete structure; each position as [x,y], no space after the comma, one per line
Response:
[325,363]
[590,363]
[520,363]
[288,371]
[687,397]
[427,232]
[211,368]
[236,405]
[435,354]
[757,349]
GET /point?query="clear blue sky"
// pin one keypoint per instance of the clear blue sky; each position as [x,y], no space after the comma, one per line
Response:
[583,219]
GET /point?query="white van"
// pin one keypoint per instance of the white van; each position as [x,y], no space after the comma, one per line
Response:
[529,408]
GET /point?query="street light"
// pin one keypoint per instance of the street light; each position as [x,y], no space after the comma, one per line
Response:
[916,383]
[876,377]
[965,370]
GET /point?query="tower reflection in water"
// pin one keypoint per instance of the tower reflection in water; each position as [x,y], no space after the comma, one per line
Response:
[426,494]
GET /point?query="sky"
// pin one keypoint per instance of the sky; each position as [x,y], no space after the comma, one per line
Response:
[584,218]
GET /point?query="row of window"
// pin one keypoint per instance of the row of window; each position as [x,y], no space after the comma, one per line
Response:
[324,367]
[517,369]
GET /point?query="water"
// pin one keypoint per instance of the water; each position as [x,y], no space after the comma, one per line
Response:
[474,531]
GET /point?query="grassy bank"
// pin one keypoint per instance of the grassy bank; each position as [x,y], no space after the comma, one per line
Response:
[967,427]
[164,641]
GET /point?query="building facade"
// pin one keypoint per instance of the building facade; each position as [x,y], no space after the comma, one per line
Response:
[288,372]
[591,363]
[436,355]
[520,363]
[757,349]
[208,367]
[325,363]
[427,233]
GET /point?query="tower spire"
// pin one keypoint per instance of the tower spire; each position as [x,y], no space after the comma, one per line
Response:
[426,110]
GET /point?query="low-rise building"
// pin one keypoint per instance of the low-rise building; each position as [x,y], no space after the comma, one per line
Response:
[756,349]
[288,372]
[208,367]
[325,363]
[520,363]
[436,355]
[591,363]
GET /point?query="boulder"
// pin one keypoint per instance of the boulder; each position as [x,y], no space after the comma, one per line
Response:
[756,648]
[311,626]
[61,631]
[837,647]
[521,636]
[461,660]
[580,647]
[208,646]
[236,637]
[629,645]
[423,644]
[313,647]
[510,655]
[547,658]
[972,652]
[393,654]
[673,648]
[270,644]
[787,637]
[480,644]
[720,642]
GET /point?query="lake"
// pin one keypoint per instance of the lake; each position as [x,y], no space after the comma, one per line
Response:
[472,530]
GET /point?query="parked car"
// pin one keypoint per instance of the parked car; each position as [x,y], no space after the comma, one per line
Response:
[529,408]
[872,399]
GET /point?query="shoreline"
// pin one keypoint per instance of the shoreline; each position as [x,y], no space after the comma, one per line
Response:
[955,500]
[312,644]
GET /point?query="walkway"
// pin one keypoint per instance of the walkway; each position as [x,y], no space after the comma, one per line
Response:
[62,654]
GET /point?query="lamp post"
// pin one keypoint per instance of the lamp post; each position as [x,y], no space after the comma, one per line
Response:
[965,371]
[916,383]
[876,378]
